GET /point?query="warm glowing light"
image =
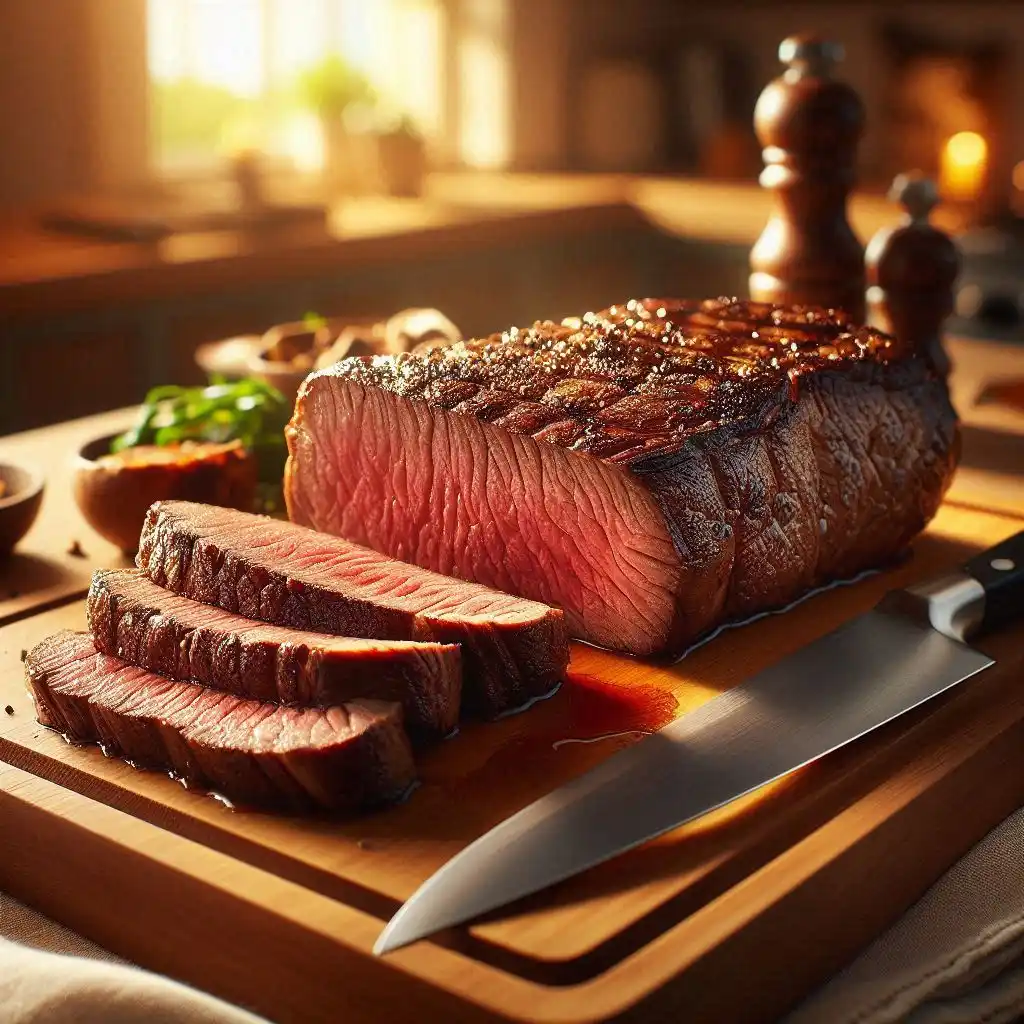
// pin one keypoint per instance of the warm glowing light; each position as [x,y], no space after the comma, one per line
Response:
[240,137]
[246,55]
[1018,176]
[483,62]
[967,148]
[304,142]
[962,166]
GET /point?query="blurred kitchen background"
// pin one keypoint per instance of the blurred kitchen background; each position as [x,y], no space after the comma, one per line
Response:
[176,172]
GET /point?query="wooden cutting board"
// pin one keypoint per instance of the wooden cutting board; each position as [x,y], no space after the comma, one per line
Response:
[987,388]
[731,918]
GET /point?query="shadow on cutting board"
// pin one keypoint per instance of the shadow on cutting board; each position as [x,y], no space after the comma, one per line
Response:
[997,451]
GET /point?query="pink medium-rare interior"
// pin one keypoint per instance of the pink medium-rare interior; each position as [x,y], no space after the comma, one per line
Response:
[330,562]
[465,498]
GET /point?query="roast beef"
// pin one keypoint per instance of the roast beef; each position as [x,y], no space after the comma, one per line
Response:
[145,625]
[513,650]
[654,470]
[250,752]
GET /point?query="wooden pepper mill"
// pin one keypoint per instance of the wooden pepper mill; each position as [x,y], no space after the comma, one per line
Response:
[809,125]
[911,269]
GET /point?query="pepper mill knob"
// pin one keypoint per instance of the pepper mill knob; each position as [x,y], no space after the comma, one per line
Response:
[917,195]
[808,55]
[809,125]
[911,270]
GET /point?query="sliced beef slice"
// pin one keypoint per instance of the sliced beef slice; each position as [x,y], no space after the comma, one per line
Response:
[253,753]
[513,650]
[654,470]
[134,619]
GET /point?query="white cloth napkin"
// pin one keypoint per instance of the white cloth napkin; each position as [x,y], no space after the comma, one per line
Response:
[956,957]
[92,986]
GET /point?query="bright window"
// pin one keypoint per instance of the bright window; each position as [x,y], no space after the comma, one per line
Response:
[227,73]
[483,72]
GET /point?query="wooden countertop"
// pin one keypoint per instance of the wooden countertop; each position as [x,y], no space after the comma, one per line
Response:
[46,272]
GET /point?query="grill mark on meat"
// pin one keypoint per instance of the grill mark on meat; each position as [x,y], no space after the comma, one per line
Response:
[255,754]
[513,650]
[132,618]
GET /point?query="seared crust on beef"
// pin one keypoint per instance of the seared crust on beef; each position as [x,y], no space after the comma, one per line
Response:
[691,462]
[637,379]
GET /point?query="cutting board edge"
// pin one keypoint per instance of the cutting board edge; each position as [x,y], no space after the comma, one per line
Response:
[159,872]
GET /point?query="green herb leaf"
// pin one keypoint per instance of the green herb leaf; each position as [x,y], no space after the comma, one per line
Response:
[247,410]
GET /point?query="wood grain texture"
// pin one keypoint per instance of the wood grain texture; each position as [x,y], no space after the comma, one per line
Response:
[731,918]
[991,473]
[190,906]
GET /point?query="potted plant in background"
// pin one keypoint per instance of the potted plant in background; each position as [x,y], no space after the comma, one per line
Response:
[401,156]
[338,94]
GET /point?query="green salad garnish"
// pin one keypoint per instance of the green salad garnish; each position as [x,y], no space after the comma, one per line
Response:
[247,410]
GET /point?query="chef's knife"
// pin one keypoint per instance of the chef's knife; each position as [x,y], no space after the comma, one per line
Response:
[905,651]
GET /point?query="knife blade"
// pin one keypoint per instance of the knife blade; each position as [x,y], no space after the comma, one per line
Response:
[905,651]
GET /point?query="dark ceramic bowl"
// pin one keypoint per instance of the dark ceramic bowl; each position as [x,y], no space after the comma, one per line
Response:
[19,505]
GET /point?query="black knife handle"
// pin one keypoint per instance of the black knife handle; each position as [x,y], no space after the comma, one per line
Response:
[1000,570]
[983,594]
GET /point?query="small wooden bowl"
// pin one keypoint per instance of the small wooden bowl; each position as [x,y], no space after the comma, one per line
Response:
[19,505]
[114,499]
